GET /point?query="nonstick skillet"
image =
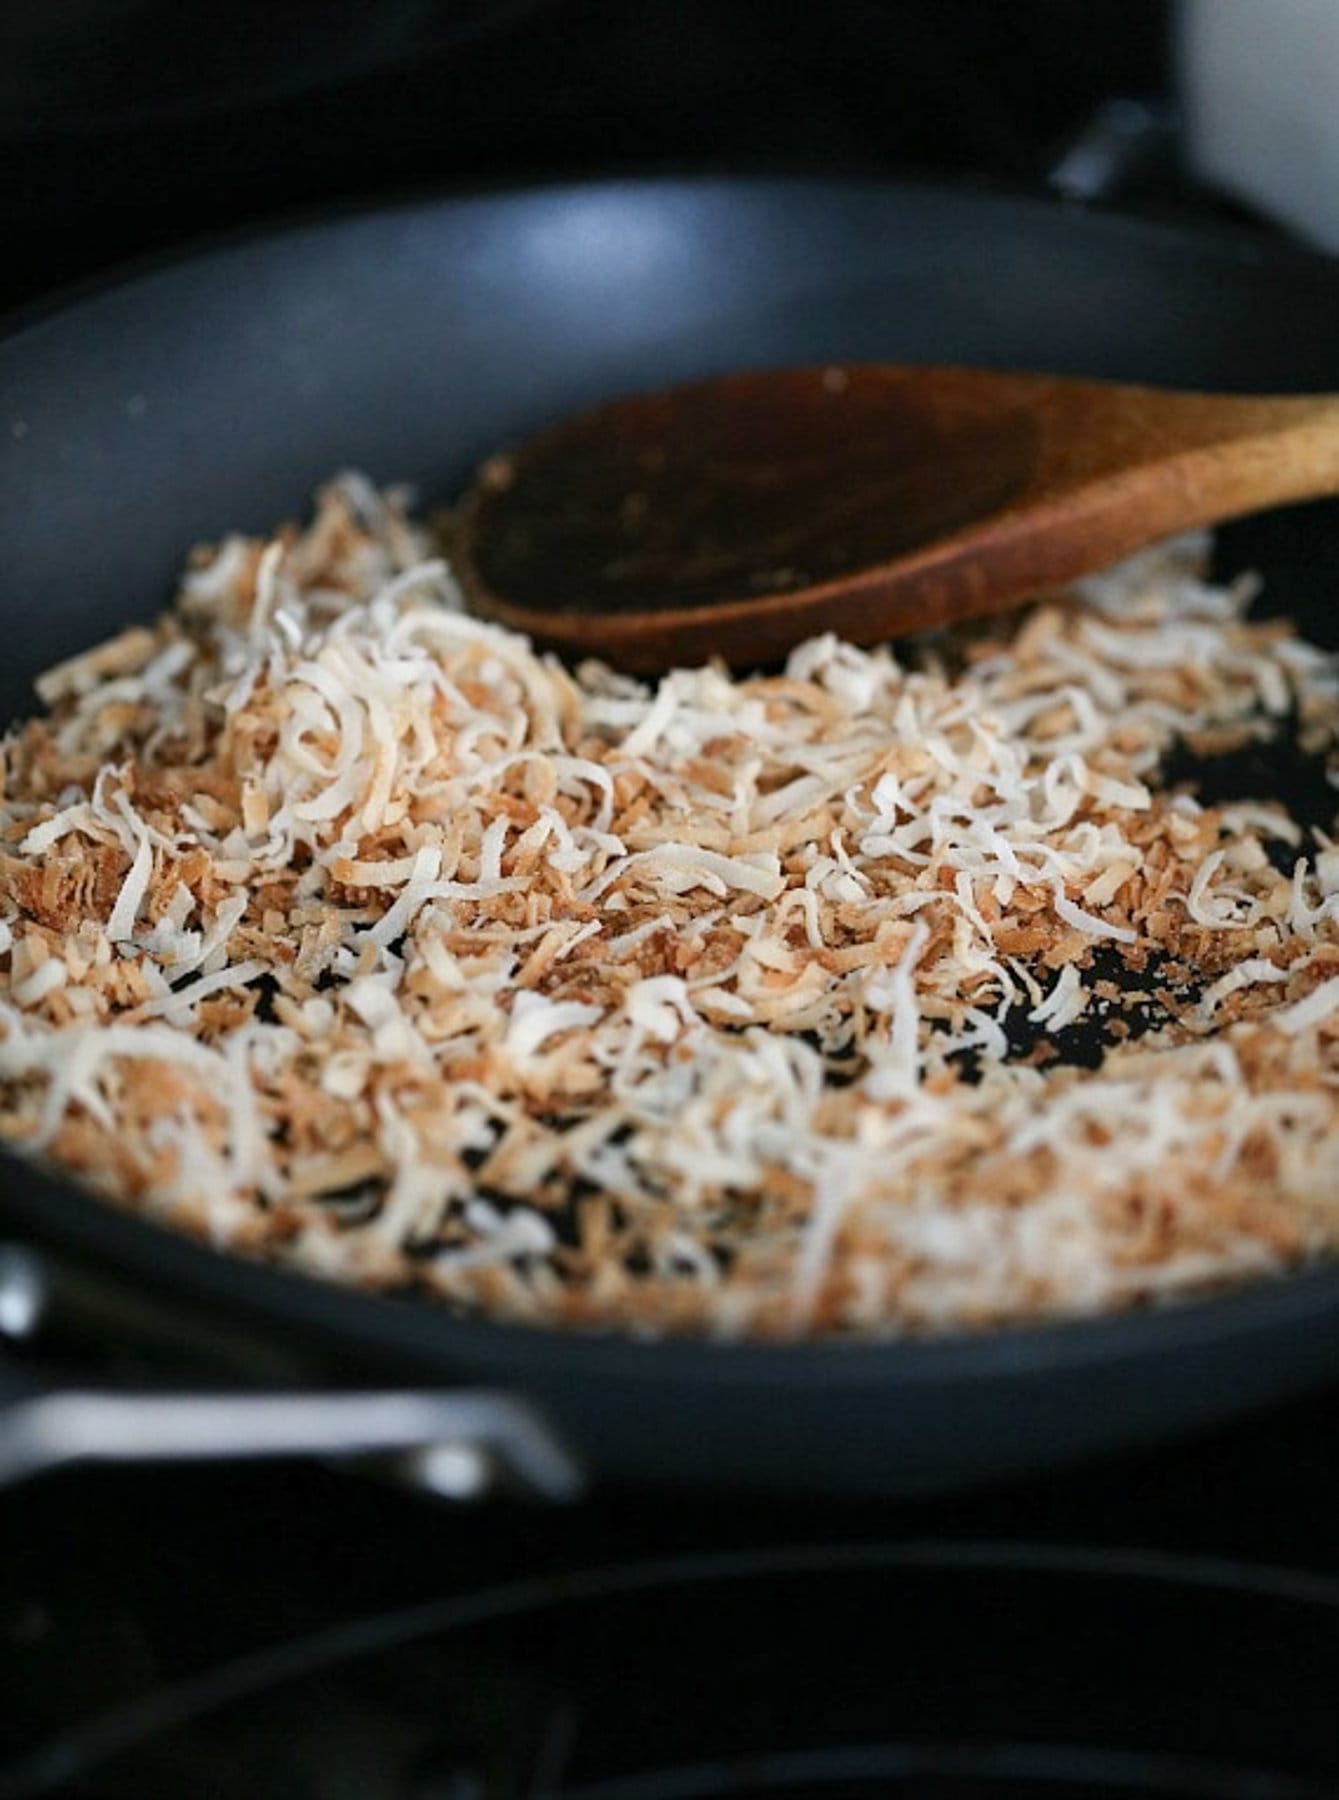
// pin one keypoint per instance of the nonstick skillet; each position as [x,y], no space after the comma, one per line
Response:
[216,391]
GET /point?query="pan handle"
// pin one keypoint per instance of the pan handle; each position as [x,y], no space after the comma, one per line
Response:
[459,1444]
[1112,148]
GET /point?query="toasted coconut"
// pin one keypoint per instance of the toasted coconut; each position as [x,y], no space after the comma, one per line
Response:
[339,927]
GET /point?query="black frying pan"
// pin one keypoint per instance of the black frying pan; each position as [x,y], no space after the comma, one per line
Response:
[216,391]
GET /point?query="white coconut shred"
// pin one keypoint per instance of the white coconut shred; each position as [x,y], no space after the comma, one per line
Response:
[888,993]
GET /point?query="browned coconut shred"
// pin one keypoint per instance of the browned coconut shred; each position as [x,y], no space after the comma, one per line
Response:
[341,928]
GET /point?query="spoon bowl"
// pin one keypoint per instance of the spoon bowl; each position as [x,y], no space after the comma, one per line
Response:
[736,516]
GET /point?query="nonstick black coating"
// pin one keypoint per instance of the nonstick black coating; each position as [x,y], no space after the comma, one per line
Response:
[216,391]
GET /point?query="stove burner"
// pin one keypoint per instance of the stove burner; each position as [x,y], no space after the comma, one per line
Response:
[927,1671]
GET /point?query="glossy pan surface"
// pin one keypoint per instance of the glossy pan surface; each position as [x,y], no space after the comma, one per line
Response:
[216,391]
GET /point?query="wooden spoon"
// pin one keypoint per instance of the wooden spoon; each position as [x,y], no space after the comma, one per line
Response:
[739,515]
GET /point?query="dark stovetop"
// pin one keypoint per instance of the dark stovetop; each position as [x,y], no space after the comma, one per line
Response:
[1163,1624]
[122,131]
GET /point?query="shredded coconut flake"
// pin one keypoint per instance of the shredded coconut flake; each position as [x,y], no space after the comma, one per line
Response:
[131,897]
[1314,1010]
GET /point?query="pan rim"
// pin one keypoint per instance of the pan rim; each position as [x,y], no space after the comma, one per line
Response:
[349,1318]
[1236,243]
[182,1268]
